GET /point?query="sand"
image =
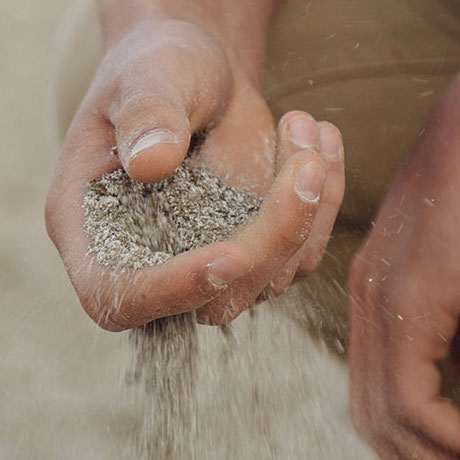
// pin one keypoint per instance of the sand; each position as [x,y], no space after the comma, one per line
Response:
[132,225]
[208,393]
[60,373]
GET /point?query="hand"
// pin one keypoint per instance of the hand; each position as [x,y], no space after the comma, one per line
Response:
[405,298]
[162,81]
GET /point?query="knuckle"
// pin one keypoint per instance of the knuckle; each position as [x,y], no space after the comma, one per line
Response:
[274,289]
[278,289]
[210,317]
[311,261]
[288,242]
[401,405]
[223,312]
[294,234]
[205,284]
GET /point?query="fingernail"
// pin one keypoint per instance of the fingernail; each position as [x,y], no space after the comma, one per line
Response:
[309,181]
[303,131]
[225,270]
[331,141]
[158,136]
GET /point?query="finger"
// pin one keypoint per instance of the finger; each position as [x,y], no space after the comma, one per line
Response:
[280,229]
[334,188]
[285,276]
[371,413]
[297,131]
[401,444]
[168,94]
[422,337]
[329,139]
[394,349]
[120,301]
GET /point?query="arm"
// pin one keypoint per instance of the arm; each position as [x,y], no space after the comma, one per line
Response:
[405,296]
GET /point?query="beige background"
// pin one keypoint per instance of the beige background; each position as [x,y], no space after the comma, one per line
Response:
[59,374]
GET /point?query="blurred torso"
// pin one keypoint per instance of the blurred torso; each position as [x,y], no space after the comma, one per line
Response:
[373,67]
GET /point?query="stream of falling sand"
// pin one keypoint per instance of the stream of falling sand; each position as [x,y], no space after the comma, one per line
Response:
[236,392]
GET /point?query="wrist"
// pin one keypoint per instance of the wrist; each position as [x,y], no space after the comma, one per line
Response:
[240,27]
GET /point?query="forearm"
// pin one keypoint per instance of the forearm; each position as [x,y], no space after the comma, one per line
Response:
[241,26]
[428,183]
[437,150]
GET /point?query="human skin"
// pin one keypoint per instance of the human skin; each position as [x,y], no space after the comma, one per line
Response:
[403,281]
[405,298]
[171,69]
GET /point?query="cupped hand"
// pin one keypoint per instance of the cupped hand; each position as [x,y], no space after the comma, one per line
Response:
[157,85]
[405,298]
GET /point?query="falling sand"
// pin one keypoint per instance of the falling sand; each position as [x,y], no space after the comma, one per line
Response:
[243,391]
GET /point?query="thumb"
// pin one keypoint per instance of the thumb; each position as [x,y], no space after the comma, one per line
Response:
[158,110]
[153,138]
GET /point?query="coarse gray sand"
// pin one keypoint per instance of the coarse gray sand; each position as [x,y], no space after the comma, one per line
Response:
[245,391]
[132,225]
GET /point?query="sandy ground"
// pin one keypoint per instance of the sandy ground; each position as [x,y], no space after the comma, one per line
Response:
[60,375]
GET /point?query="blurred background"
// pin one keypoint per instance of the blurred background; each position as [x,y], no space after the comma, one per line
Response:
[61,383]
[59,374]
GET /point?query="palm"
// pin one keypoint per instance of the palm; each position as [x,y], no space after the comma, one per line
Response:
[159,84]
